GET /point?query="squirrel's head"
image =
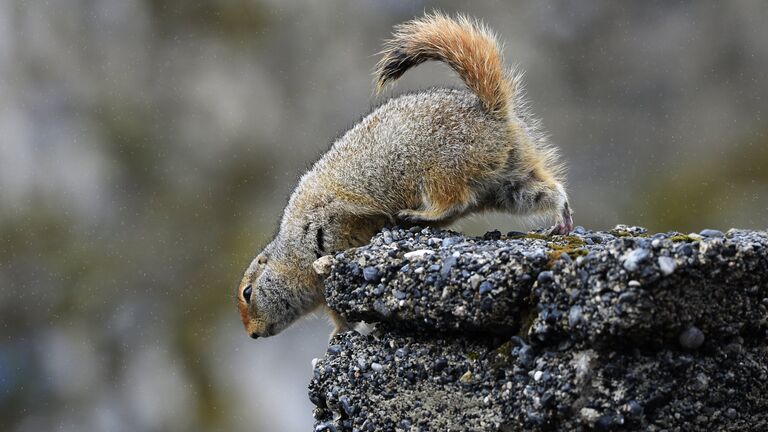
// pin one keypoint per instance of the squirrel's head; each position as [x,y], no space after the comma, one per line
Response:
[273,294]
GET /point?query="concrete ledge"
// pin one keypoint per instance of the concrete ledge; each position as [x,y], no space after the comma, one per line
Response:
[619,330]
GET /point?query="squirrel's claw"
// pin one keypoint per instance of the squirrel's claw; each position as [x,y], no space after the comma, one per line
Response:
[565,225]
[559,229]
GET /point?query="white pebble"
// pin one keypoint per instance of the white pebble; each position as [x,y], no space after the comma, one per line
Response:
[589,415]
[667,265]
[421,253]
[467,377]
[474,280]
[633,258]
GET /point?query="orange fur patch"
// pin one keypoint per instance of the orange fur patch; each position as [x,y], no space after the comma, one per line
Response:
[243,309]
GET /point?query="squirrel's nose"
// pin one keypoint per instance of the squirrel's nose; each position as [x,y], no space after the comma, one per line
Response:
[255,335]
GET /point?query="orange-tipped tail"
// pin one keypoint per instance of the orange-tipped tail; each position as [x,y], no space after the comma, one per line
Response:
[466,45]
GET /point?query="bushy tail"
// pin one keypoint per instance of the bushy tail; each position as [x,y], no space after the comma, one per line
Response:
[465,44]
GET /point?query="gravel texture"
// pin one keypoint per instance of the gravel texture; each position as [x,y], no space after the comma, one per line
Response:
[619,330]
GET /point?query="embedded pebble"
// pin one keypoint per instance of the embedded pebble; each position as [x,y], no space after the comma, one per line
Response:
[544,277]
[450,241]
[667,265]
[466,377]
[691,338]
[418,254]
[485,287]
[448,265]
[589,415]
[371,274]
[634,257]
[474,281]
[574,316]
[346,406]
[323,265]
[711,233]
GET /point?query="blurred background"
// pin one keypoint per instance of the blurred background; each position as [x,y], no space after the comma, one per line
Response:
[148,147]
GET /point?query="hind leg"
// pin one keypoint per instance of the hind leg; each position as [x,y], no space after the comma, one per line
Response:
[440,204]
[429,215]
[530,195]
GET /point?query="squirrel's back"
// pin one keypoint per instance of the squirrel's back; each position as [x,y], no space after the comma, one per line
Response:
[435,140]
[384,159]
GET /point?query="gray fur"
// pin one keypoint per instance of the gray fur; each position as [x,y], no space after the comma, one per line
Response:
[394,167]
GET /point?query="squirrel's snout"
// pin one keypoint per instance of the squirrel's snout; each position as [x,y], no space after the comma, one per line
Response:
[261,331]
[254,331]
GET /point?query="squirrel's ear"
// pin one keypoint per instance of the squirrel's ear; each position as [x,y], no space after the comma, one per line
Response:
[261,259]
[322,265]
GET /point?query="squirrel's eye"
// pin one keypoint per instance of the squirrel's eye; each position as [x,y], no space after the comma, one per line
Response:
[247,293]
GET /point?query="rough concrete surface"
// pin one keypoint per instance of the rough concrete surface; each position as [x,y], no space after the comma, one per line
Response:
[619,330]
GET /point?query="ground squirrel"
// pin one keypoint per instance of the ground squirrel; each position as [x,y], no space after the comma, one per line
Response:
[424,158]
